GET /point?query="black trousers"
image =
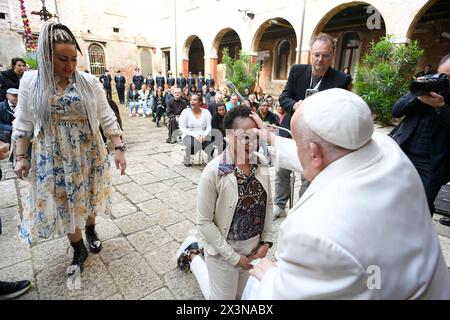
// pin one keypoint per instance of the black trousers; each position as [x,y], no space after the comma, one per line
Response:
[193,146]
[172,126]
[425,170]
[108,92]
[121,94]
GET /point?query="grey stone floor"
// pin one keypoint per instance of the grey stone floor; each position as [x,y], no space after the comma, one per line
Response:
[154,209]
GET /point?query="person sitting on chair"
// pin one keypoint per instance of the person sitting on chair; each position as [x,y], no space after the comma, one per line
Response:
[195,126]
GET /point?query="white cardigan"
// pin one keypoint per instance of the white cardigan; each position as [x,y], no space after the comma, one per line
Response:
[216,204]
[25,120]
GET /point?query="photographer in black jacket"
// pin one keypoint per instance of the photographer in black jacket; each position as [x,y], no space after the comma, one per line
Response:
[424,135]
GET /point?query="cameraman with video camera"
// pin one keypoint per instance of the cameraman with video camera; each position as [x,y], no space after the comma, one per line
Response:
[424,133]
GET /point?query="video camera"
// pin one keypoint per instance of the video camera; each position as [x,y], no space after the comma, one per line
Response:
[438,83]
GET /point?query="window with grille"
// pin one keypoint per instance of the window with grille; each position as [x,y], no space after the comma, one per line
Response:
[97,59]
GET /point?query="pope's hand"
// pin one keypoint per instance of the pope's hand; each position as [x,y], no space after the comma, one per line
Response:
[261,268]
[263,130]
[297,105]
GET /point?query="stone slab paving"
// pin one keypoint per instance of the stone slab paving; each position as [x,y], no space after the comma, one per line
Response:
[153,210]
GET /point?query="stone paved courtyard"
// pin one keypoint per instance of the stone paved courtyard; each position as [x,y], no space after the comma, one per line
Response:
[153,210]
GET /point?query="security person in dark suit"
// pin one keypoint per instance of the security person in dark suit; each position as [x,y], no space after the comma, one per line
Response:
[181,81]
[200,81]
[210,81]
[138,79]
[160,80]
[424,136]
[170,80]
[306,79]
[119,79]
[150,82]
[190,81]
[106,80]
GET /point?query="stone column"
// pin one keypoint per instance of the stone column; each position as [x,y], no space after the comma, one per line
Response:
[213,67]
[185,67]
[304,56]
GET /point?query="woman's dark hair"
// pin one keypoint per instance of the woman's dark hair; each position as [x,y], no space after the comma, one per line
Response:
[199,97]
[15,60]
[235,113]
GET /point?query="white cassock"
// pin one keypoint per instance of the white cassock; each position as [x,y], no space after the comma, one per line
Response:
[362,230]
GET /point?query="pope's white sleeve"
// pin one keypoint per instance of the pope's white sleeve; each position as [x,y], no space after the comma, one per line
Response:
[313,267]
[286,154]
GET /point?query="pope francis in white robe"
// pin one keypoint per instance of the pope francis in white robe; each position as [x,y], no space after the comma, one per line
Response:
[362,230]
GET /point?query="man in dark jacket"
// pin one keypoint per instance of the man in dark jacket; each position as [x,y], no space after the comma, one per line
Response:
[200,81]
[170,80]
[138,79]
[181,81]
[424,136]
[210,81]
[105,79]
[11,78]
[190,81]
[317,76]
[160,81]
[150,82]
[306,79]
[174,109]
[7,109]
[119,79]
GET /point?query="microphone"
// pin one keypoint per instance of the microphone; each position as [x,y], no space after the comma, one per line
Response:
[234,89]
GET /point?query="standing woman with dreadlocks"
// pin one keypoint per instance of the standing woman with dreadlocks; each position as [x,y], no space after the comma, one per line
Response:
[60,109]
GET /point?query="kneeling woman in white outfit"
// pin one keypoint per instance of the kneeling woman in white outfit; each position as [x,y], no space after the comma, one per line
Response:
[234,213]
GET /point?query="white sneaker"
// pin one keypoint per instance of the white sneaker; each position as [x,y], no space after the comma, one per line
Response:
[186,243]
[278,212]
[182,257]
[131,115]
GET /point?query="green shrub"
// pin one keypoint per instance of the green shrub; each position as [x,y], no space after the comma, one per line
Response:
[30,59]
[241,71]
[385,74]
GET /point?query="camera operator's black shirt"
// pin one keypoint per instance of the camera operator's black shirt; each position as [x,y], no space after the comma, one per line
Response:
[419,143]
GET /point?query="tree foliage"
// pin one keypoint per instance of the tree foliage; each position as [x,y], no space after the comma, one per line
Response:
[242,72]
[385,74]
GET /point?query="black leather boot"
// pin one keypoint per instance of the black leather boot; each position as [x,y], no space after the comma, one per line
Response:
[445,221]
[95,245]
[80,255]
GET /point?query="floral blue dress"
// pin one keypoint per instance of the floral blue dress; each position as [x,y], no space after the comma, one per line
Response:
[70,177]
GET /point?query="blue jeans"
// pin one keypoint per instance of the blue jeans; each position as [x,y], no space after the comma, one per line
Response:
[144,106]
[133,104]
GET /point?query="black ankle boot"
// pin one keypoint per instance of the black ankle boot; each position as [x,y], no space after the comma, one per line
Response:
[80,255]
[95,245]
